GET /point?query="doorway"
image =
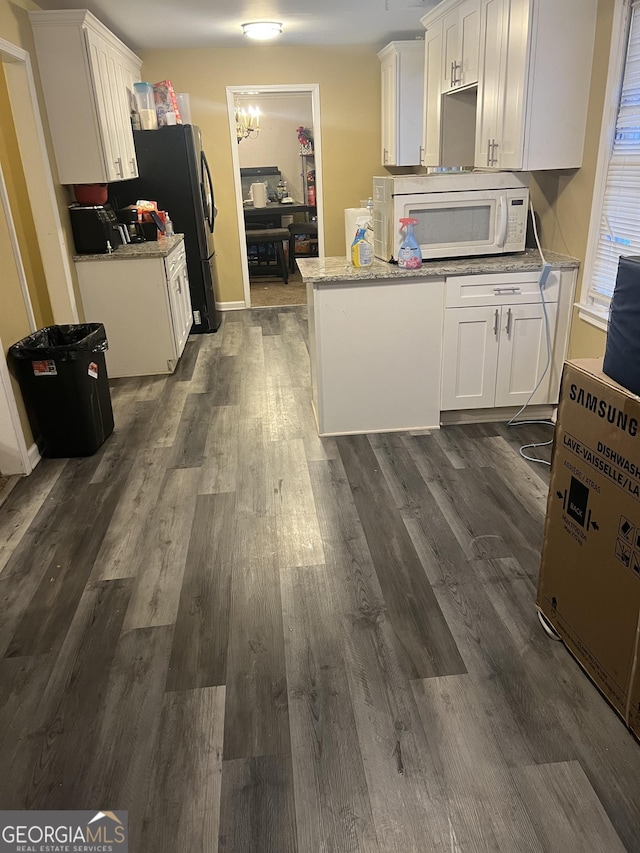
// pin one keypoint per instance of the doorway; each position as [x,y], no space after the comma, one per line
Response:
[282,110]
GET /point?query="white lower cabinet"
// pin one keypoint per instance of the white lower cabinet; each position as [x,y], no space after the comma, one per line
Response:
[495,356]
[496,346]
[145,306]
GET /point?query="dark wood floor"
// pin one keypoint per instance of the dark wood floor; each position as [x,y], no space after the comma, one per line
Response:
[253,639]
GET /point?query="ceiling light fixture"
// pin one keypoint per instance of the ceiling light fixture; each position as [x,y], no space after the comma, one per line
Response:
[262,30]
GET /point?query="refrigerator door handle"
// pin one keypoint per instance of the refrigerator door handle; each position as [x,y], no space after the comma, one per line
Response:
[207,192]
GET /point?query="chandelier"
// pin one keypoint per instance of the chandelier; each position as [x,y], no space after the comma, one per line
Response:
[247,123]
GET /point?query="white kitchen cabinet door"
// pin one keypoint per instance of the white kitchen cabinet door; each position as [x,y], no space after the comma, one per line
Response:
[179,298]
[431,137]
[491,40]
[402,79]
[124,76]
[523,354]
[470,357]
[388,108]
[85,72]
[108,118]
[533,83]
[461,38]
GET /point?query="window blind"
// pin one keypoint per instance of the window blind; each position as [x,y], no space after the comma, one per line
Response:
[620,218]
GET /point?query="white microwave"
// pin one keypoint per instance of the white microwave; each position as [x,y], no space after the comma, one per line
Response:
[459,214]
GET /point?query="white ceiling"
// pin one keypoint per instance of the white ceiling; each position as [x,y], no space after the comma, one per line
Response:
[210,23]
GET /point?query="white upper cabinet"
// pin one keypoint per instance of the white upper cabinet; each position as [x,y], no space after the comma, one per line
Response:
[402,79]
[533,86]
[461,33]
[87,75]
[532,63]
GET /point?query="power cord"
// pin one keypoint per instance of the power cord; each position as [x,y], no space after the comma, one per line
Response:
[514,422]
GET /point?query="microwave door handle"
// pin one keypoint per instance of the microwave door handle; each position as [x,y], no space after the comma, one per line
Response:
[502,228]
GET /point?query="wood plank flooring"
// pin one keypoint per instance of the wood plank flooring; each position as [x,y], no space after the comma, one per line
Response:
[254,639]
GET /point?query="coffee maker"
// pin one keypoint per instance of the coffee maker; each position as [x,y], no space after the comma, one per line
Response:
[129,218]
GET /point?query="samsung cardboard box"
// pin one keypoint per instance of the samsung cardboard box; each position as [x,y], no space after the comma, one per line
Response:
[589,585]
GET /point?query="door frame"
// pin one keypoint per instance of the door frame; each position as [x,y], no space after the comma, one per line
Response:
[16,458]
[14,454]
[312,89]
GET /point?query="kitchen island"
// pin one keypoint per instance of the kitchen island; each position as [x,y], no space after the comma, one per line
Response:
[460,340]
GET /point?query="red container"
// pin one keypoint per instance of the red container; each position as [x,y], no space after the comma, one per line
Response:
[90,193]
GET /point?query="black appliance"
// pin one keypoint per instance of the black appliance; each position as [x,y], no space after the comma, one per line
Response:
[173,171]
[95,228]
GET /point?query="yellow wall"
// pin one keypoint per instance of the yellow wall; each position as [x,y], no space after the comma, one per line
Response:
[563,199]
[349,80]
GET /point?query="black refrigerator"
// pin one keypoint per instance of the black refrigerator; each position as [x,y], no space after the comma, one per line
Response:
[173,171]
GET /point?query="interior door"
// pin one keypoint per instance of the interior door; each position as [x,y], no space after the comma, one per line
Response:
[523,353]
[470,357]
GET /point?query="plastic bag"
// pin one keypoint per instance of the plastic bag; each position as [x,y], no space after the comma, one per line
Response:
[61,343]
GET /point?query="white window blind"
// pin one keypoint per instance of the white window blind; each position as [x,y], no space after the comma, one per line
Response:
[620,218]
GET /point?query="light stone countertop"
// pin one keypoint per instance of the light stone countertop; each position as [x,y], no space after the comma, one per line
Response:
[151,249]
[334,270]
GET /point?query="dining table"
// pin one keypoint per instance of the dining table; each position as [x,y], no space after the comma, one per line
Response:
[273,212]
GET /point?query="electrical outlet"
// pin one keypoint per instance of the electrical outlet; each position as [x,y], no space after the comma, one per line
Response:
[196,318]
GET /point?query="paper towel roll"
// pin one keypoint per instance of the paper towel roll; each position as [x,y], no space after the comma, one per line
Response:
[351,216]
[259,195]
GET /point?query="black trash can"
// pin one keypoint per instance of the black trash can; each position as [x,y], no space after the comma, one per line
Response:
[63,379]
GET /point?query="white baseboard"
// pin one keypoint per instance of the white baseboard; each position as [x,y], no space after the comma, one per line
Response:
[230,306]
[34,455]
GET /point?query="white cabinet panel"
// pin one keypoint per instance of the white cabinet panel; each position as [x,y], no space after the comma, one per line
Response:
[402,79]
[86,73]
[375,350]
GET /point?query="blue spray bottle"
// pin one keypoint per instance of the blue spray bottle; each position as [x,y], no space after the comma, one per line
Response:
[409,256]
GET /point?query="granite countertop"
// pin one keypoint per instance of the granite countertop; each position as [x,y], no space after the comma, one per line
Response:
[151,249]
[329,270]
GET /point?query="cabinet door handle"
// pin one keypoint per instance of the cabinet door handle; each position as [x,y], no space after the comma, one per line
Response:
[496,321]
[384,155]
[133,165]
[119,168]
[508,326]
[488,152]
[498,291]
[494,159]
[453,73]
[421,156]
[179,283]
